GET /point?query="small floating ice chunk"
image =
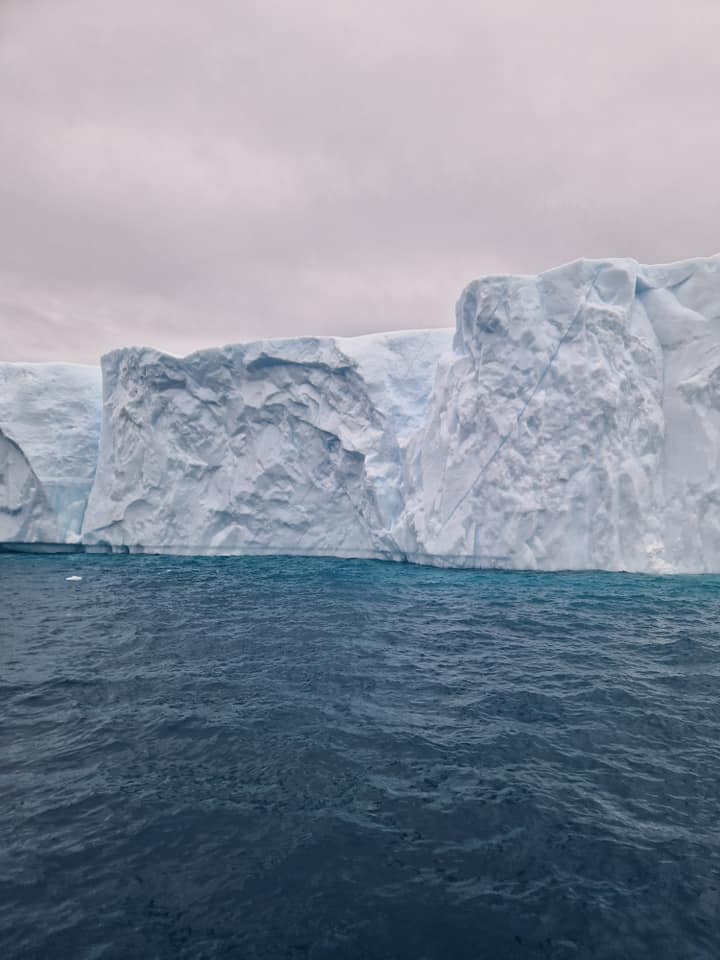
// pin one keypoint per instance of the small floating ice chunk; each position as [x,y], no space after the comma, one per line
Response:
[73,578]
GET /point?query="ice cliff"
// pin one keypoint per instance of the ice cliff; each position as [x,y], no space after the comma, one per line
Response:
[50,412]
[291,446]
[571,420]
[577,423]
[25,513]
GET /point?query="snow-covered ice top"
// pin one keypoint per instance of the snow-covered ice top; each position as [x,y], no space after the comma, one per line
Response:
[571,420]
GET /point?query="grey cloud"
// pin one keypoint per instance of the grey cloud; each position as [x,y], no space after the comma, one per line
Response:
[185,174]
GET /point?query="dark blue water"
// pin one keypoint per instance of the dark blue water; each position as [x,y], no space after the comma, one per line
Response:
[315,758]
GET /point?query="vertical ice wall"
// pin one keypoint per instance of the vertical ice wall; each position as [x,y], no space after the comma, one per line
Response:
[682,302]
[52,412]
[25,514]
[571,421]
[543,444]
[288,446]
[577,424]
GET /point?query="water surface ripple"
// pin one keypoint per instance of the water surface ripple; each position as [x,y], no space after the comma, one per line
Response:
[305,758]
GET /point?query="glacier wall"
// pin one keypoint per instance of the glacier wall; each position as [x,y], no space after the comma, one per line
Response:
[571,420]
[575,425]
[25,513]
[290,446]
[51,412]
[544,444]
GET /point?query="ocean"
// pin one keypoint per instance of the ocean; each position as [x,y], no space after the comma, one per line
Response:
[317,758]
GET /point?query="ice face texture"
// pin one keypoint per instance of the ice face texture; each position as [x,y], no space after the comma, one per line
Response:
[292,446]
[571,421]
[51,411]
[543,446]
[25,514]
[577,424]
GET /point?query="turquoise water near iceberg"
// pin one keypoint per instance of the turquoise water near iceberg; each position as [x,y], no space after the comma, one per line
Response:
[306,758]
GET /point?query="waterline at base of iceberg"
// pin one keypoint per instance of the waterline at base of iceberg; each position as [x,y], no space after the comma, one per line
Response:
[570,421]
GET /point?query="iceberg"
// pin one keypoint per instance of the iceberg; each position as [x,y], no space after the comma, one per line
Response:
[25,513]
[569,420]
[51,411]
[575,425]
[543,447]
[285,446]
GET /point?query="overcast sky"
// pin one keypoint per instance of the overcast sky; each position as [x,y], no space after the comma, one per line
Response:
[185,173]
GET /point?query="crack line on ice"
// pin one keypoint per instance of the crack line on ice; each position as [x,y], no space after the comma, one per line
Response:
[504,439]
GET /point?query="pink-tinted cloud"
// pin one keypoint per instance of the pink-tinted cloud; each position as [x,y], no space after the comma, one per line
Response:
[184,174]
